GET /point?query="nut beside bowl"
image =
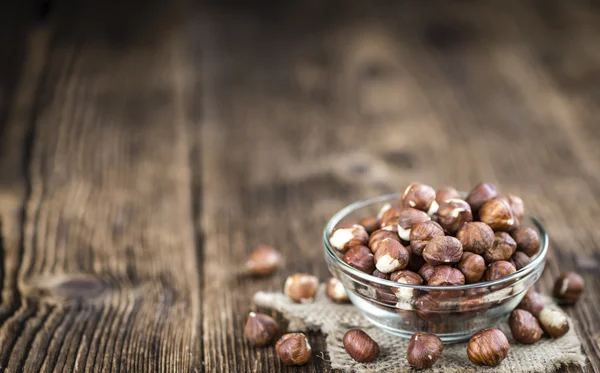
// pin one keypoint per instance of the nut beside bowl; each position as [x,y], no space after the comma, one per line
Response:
[453,313]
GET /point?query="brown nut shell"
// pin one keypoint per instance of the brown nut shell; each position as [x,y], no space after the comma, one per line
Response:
[472,266]
[502,249]
[517,206]
[532,303]
[452,214]
[446,193]
[301,287]
[476,237]
[524,327]
[408,218]
[335,291]
[422,233]
[263,260]
[498,270]
[497,214]
[554,322]
[293,349]
[443,250]
[347,236]
[424,350]
[520,260]
[360,346]
[260,329]
[405,277]
[361,258]
[482,193]
[379,235]
[426,271]
[488,347]
[446,276]
[418,196]
[568,288]
[370,223]
[390,256]
[527,240]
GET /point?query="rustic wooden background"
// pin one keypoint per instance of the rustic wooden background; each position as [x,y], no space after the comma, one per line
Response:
[146,146]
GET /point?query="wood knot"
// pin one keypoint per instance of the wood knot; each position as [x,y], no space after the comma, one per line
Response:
[75,287]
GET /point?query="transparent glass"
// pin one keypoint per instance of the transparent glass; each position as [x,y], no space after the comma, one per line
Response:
[453,313]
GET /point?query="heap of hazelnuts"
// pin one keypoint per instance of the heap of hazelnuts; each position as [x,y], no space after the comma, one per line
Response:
[434,238]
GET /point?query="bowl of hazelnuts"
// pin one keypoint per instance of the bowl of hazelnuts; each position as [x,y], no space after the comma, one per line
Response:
[440,262]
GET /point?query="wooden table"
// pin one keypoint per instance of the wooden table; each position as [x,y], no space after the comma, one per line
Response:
[148,146]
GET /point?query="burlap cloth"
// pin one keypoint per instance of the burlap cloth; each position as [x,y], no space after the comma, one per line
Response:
[334,320]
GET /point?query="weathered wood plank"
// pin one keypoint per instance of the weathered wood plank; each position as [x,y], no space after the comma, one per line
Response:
[104,277]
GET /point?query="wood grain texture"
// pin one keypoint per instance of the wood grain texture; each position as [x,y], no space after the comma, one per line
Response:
[99,261]
[146,149]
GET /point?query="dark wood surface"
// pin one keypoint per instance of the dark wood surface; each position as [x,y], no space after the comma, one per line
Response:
[148,146]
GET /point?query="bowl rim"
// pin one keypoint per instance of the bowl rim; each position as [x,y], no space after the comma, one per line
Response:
[341,214]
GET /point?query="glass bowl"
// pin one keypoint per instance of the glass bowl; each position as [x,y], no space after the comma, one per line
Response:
[453,313]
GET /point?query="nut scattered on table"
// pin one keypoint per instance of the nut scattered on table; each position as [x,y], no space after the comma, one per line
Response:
[361,258]
[263,260]
[293,349]
[488,347]
[554,322]
[390,256]
[360,346]
[472,267]
[568,287]
[532,302]
[301,287]
[480,194]
[476,237]
[524,327]
[336,291]
[260,329]
[443,250]
[527,240]
[502,249]
[424,350]
[347,236]
[452,214]
[497,214]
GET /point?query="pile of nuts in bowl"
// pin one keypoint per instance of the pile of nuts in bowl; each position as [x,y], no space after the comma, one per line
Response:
[432,238]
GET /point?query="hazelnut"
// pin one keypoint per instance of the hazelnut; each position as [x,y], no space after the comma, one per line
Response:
[419,196]
[472,266]
[415,262]
[426,271]
[452,214]
[428,308]
[446,276]
[263,260]
[379,274]
[471,303]
[421,233]
[424,350]
[524,327]
[301,287]
[442,250]
[390,256]
[554,322]
[488,347]
[336,291]
[260,329]
[476,237]
[532,302]
[293,349]
[502,249]
[360,346]
[407,219]
[405,277]
[527,239]
[517,207]
[371,224]
[378,236]
[361,258]
[347,236]
[389,217]
[568,287]
[497,214]
[446,193]
[519,259]
[383,210]
[481,194]
[499,270]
